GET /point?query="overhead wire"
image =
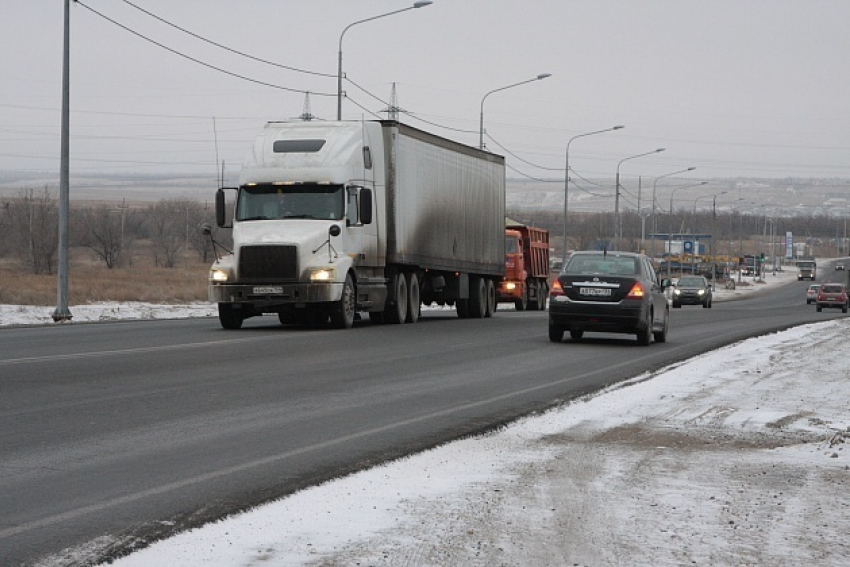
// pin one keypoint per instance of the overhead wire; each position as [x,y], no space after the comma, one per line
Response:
[198,61]
[226,48]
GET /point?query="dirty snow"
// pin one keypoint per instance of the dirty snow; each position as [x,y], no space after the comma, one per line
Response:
[738,456]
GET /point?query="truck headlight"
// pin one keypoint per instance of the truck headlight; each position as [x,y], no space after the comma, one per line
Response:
[323,275]
[701,292]
[677,291]
[510,286]
[218,276]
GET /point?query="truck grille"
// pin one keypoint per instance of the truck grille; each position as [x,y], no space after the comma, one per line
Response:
[268,264]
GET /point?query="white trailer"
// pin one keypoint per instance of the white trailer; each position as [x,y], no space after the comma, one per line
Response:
[335,218]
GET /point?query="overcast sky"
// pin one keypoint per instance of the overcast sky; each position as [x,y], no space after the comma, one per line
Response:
[755,88]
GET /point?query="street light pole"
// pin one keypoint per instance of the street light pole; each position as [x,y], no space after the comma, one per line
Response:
[481,123]
[654,224]
[567,180]
[670,232]
[420,4]
[617,227]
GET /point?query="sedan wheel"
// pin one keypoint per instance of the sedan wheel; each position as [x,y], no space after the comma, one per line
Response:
[556,332]
[661,336]
[644,336]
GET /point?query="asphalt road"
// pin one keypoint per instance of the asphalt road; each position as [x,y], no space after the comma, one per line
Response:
[136,430]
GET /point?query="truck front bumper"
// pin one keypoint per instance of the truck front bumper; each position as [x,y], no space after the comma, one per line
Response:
[275,294]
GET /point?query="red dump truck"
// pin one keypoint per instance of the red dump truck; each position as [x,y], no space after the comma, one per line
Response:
[526,267]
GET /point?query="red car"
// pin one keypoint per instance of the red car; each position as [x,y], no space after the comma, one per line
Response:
[832,295]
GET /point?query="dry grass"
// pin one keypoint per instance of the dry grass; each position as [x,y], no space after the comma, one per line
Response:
[89,280]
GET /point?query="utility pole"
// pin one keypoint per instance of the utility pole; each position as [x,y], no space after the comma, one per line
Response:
[62,313]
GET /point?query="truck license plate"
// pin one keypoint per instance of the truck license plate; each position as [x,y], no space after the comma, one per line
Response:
[268,289]
[604,291]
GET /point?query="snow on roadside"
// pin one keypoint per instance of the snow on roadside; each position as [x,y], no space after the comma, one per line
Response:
[707,461]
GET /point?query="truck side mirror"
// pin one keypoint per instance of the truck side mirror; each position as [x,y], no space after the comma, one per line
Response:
[220,219]
[365,206]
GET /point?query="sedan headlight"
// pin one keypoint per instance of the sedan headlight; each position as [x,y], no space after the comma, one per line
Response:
[677,291]
[323,275]
[218,276]
[701,292]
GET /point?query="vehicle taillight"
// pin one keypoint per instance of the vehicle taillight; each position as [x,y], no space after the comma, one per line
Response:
[556,289]
[636,292]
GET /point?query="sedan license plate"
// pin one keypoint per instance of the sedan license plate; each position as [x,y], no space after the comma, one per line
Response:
[268,289]
[595,291]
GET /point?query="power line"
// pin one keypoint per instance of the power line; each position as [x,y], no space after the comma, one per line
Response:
[231,50]
[198,61]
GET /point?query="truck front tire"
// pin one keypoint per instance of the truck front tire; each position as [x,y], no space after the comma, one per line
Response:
[343,312]
[228,317]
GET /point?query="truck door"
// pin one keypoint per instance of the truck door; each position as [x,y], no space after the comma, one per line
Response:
[364,235]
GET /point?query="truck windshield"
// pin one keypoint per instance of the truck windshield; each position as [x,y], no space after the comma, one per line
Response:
[302,201]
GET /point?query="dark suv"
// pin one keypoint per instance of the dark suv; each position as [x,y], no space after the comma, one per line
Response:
[692,290]
[610,292]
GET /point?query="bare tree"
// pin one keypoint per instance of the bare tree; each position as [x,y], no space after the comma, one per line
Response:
[105,233]
[168,230]
[32,221]
[198,215]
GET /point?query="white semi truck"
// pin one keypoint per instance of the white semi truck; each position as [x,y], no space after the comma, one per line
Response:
[331,219]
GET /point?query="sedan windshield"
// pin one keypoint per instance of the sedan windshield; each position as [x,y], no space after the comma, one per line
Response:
[691,282]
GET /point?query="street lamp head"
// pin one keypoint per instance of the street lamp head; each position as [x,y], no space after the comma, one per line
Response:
[691,168]
[618,127]
[543,76]
[660,150]
[422,3]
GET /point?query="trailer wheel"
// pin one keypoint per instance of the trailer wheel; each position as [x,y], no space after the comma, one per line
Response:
[397,311]
[228,317]
[343,311]
[477,298]
[491,298]
[413,302]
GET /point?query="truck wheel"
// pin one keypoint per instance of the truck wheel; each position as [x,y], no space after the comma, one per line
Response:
[533,291]
[521,303]
[462,307]
[477,298]
[228,317]
[342,313]
[413,303]
[287,317]
[544,295]
[397,312]
[491,298]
